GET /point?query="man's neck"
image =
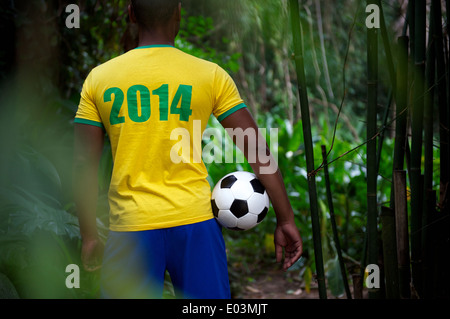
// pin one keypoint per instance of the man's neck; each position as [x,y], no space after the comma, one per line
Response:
[161,37]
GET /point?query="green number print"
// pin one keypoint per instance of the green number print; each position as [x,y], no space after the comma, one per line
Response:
[163,93]
[114,117]
[184,94]
[133,111]
[181,103]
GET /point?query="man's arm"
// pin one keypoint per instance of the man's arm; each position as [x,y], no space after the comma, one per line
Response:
[88,148]
[286,235]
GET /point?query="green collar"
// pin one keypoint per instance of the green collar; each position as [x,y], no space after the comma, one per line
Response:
[155,46]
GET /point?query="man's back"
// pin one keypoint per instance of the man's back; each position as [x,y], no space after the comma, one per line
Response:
[147,99]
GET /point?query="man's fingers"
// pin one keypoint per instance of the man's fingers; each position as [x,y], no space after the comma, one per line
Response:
[92,268]
[92,263]
[288,239]
[91,255]
[288,262]
[291,257]
[278,252]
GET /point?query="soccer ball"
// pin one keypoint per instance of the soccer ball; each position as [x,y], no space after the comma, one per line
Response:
[239,201]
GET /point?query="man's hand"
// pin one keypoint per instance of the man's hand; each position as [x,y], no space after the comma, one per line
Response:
[92,254]
[288,237]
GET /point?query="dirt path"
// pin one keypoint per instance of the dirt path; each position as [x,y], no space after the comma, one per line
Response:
[269,282]
[273,283]
[277,285]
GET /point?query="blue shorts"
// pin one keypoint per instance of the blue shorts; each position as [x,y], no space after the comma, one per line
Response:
[134,263]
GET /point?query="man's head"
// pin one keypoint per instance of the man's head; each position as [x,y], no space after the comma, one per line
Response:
[153,14]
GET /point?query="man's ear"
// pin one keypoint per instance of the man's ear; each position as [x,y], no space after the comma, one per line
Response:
[131,14]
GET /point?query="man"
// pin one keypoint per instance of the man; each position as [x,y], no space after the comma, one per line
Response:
[160,212]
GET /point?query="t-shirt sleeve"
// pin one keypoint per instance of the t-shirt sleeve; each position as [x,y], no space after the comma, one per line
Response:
[227,99]
[87,112]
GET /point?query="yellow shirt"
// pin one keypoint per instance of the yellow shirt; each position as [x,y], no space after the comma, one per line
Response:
[141,99]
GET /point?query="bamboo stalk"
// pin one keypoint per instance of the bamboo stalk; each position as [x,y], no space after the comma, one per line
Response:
[402,104]
[401,226]
[429,99]
[399,155]
[362,271]
[411,23]
[444,123]
[437,270]
[390,252]
[428,146]
[333,224]
[357,286]
[383,132]
[322,50]
[416,142]
[387,48]
[304,104]
[438,222]
[372,101]
[444,104]
[430,284]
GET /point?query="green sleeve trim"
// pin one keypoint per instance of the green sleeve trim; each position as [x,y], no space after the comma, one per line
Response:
[231,111]
[89,122]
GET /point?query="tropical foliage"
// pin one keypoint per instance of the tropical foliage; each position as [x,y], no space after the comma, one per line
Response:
[42,71]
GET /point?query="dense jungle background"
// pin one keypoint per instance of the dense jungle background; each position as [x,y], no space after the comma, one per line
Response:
[404,64]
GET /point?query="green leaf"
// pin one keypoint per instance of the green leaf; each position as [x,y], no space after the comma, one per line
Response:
[13,252]
[31,211]
[39,168]
[334,278]
[7,289]
[307,277]
[296,137]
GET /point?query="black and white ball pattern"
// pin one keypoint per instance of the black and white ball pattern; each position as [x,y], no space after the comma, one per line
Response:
[239,201]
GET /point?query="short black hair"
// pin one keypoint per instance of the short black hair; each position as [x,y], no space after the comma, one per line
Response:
[152,13]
